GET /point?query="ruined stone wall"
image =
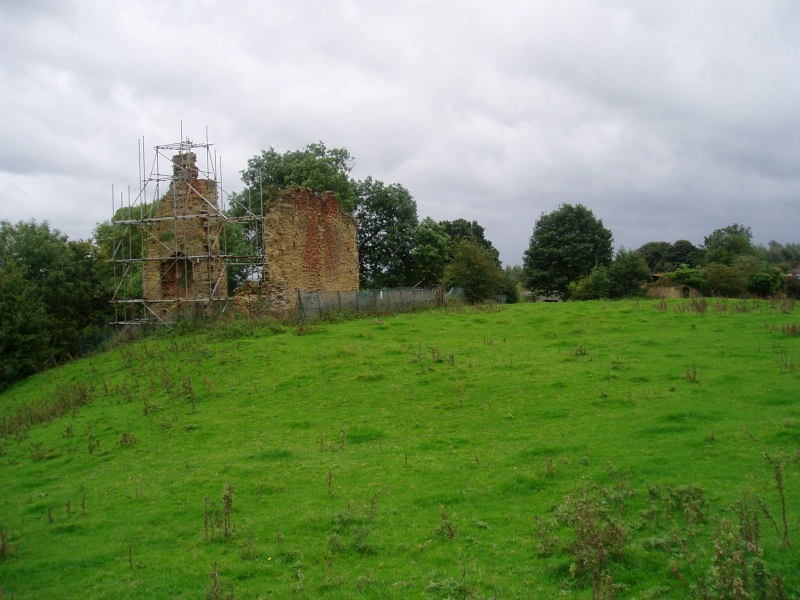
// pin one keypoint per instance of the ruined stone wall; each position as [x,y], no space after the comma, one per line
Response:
[182,262]
[309,244]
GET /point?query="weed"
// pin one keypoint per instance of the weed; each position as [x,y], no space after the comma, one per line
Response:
[544,534]
[550,470]
[6,548]
[227,508]
[699,305]
[788,364]
[351,530]
[92,441]
[212,518]
[691,374]
[777,465]
[247,552]
[126,439]
[690,500]
[448,587]
[68,399]
[37,451]
[791,329]
[594,515]
[786,305]
[599,536]
[188,391]
[749,526]
[218,590]
[446,528]
[737,569]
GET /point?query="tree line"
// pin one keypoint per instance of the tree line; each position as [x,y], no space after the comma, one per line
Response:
[55,292]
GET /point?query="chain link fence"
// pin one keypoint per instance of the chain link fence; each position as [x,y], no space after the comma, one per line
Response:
[315,305]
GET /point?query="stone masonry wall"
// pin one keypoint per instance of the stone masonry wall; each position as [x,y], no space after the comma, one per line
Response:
[182,263]
[309,244]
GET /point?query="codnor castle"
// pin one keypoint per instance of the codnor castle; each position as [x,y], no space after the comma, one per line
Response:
[305,242]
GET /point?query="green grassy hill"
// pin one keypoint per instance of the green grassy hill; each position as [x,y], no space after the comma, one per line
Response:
[582,449]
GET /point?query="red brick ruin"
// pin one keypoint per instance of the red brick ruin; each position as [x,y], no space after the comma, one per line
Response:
[309,244]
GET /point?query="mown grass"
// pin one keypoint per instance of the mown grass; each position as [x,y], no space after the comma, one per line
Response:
[455,453]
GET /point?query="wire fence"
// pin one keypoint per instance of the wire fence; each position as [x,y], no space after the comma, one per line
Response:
[316,305]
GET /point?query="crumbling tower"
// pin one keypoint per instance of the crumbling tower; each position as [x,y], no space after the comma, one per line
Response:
[184,270]
[169,254]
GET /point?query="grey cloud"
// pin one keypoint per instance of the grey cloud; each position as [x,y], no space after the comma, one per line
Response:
[668,120]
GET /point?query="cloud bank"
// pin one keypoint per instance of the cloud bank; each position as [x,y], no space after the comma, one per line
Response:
[668,120]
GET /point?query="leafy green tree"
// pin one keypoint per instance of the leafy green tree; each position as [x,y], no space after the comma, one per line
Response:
[725,244]
[510,288]
[626,274]
[683,252]
[513,282]
[461,229]
[63,278]
[430,254]
[662,257]
[767,282]
[692,277]
[475,270]
[792,284]
[387,222]
[725,280]
[655,255]
[784,256]
[316,167]
[593,286]
[25,342]
[565,246]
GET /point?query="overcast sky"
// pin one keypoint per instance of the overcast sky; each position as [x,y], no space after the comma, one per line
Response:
[668,119]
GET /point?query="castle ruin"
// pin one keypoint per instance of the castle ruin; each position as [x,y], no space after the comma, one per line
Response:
[184,269]
[308,244]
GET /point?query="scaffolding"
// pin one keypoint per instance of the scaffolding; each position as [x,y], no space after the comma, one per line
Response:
[176,241]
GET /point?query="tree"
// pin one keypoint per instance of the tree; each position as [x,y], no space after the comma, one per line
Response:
[662,257]
[565,246]
[691,277]
[655,255]
[593,286]
[461,229]
[513,281]
[315,167]
[725,244]
[25,341]
[387,220]
[509,288]
[627,274]
[430,254]
[684,252]
[55,291]
[475,270]
[725,280]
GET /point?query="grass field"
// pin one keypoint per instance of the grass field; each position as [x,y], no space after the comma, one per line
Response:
[625,449]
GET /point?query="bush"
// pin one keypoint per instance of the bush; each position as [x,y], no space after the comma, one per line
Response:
[689,276]
[593,286]
[725,281]
[627,274]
